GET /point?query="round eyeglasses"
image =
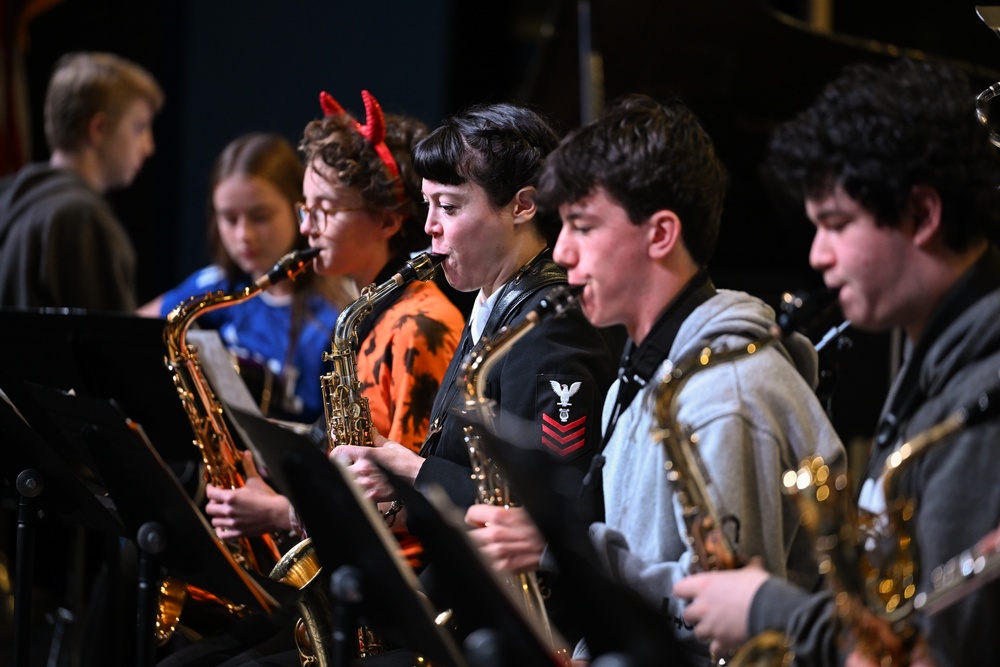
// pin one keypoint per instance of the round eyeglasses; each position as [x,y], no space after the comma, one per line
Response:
[318,217]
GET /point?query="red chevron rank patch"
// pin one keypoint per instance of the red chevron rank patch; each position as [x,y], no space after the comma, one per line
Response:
[564,438]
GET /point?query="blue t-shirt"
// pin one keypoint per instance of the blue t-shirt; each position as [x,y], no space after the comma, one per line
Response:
[257,332]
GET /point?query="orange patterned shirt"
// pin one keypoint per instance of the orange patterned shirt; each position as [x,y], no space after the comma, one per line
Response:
[403,359]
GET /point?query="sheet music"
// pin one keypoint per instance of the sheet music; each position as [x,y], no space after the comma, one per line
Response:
[221,372]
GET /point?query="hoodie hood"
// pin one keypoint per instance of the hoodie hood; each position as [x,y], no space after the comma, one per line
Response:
[732,319]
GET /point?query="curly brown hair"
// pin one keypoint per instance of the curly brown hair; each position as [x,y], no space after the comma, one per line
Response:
[878,131]
[337,142]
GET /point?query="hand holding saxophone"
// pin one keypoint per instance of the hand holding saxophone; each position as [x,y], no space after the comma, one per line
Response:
[719,604]
[506,536]
[252,509]
[361,462]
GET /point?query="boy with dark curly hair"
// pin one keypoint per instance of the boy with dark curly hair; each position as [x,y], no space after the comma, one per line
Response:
[900,181]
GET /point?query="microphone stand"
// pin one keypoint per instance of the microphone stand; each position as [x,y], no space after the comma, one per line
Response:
[30,484]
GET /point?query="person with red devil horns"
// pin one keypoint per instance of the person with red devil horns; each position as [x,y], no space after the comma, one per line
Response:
[363,210]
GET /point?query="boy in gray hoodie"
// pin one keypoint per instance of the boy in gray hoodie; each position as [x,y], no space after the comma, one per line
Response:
[640,195]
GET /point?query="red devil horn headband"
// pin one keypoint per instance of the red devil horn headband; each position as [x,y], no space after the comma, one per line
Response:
[330,105]
[373,131]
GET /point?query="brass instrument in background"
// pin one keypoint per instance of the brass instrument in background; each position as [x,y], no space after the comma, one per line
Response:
[211,434]
[348,422]
[490,482]
[952,581]
[872,564]
[990,15]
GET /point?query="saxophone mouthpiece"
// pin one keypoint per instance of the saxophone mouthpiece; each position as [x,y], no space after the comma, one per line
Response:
[307,254]
[560,299]
[289,266]
[420,267]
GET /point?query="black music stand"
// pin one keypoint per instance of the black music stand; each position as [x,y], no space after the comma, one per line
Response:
[171,532]
[45,485]
[100,354]
[615,620]
[371,584]
[495,626]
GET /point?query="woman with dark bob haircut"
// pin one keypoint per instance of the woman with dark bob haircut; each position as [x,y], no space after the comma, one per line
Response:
[480,170]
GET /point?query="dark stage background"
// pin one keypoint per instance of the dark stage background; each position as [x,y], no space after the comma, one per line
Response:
[233,66]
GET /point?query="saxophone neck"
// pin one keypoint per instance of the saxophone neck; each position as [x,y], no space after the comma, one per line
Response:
[346,328]
[420,268]
[983,406]
[488,352]
[180,319]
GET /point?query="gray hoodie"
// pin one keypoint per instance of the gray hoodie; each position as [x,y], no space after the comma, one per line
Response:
[754,418]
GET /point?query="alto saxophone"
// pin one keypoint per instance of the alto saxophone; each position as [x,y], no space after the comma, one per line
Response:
[348,422]
[211,434]
[491,485]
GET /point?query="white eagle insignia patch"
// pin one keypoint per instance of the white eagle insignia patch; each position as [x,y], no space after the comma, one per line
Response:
[564,392]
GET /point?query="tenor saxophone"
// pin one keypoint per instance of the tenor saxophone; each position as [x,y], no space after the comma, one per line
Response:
[348,422]
[882,584]
[211,434]
[491,484]
[711,545]
[875,588]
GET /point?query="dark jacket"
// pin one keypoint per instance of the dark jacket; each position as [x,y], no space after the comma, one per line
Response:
[562,350]
[952,485]
[61,245]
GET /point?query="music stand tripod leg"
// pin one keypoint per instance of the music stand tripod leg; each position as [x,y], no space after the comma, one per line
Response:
[152,541]
[30,484]
[346,589]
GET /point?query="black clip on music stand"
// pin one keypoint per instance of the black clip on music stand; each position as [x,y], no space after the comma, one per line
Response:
[616,622]
[45,485]
[171,532]
[370,582]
